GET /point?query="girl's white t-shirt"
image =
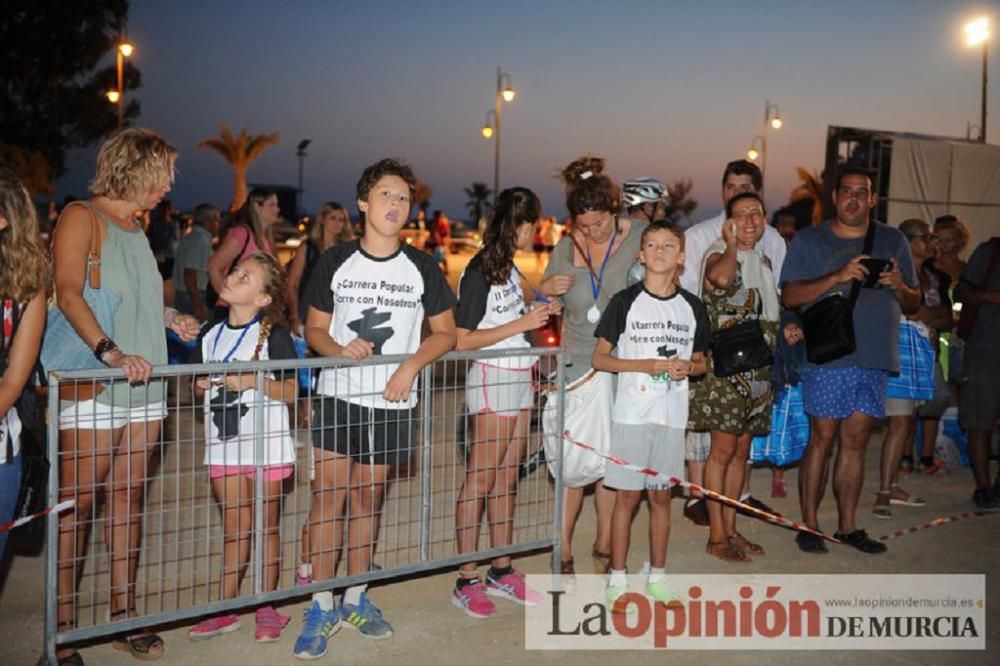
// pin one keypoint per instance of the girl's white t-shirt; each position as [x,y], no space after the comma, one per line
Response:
[231,417]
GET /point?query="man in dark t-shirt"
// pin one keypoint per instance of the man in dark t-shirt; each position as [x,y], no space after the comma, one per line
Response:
[847,394]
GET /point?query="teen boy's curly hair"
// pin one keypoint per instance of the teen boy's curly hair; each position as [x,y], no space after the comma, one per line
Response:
[387,167]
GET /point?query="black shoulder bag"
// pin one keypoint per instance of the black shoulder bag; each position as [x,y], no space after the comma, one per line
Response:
[828,324]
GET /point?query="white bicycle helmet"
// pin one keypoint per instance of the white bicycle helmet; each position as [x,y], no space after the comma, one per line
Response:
[643,190]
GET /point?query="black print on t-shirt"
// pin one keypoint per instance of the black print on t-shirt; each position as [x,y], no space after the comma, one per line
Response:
[666,352]
[227,410]
[369,327]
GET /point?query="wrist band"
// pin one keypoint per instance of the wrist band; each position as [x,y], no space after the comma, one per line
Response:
[103,347]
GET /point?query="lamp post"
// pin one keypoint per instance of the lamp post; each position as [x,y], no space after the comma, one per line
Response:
[772,120]
[977,33]
[117,96]
[753,153]
[300,152]
[505,93]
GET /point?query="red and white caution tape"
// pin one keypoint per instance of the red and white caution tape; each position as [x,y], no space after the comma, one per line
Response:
[934,523]
[62,506]
[769,517]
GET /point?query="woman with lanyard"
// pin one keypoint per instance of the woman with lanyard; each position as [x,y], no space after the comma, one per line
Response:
[587,267]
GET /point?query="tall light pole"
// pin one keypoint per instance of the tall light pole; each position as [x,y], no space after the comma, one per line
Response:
[772,119]
[117,96]
[300,152]
[505,93]
[978,32]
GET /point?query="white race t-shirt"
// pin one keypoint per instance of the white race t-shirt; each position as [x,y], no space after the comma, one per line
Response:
[231,417]
[483,306]
[642,325]
[379,299]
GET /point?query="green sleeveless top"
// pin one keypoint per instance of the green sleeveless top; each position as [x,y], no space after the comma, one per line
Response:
[128,268]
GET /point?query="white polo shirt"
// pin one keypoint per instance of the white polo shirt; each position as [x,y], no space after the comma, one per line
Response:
[700,236]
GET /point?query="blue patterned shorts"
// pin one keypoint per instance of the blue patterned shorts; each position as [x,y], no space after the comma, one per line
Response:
[836,393]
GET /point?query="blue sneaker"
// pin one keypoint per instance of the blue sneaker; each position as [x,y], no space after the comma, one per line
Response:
[319,626]
[366,618]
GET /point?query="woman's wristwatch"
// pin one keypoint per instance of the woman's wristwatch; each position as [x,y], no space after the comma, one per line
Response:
[103,348]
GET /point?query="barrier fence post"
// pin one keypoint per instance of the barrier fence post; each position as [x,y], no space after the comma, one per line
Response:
[258,507]
[558,475]
[52,524]
[426,459]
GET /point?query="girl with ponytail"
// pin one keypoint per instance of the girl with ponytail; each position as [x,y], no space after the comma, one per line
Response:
[255,329]
[493,314]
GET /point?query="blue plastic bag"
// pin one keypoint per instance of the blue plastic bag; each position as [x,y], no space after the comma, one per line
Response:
[789,430]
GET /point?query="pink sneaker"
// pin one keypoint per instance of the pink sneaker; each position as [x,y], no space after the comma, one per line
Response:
[512,587]
[473,601]
[214,626]
[269,624]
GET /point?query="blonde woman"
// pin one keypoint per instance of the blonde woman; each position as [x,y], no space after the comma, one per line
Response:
[108,439]
[331,226]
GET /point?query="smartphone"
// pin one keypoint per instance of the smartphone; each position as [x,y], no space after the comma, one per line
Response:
[875,268]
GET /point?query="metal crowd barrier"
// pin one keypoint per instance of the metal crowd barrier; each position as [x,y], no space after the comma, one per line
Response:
[157,504]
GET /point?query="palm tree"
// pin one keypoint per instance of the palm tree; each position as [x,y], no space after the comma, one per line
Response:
[479,194]
[422,199]
[681,204]
[239,151]
[810,188]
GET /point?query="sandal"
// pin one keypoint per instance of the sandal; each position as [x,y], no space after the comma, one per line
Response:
[726,551]
[566,567]
[143,646]
[881,508]
[602,561]
[746,545]
[909,500]
[69,660]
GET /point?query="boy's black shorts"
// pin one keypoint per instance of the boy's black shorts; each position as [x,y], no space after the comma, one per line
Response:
[368,435]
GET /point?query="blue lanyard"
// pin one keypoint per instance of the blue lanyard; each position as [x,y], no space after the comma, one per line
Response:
[239,340]
[539,296]
[595,287]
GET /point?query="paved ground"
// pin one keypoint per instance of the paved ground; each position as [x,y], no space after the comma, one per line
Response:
[430,631]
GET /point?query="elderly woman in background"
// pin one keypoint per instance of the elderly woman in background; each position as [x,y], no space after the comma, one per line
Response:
[109,432]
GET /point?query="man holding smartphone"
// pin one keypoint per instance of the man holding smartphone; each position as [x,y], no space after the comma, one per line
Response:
[847,394]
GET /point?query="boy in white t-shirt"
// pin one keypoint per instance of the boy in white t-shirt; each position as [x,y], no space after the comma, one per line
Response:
[659,334]
[366,298]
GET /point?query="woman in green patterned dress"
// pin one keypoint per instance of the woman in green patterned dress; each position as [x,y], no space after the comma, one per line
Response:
[737,286]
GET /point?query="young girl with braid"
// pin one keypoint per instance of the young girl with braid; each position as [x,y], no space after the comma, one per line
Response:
[254,330]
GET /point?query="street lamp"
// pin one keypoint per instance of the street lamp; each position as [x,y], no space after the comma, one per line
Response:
[977,33]
[753,153]
[772,120]
[117,96]
[505,93]
[300,152]
[491,120]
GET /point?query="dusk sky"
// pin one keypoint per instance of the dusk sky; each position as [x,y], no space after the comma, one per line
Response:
[664,89]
